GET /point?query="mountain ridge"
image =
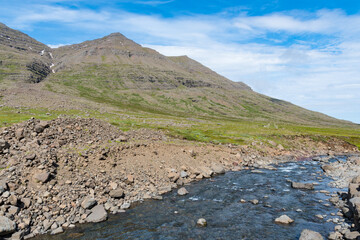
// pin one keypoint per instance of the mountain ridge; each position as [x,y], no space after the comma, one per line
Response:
[117,72]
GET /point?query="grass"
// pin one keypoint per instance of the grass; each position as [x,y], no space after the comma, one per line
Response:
[201,129]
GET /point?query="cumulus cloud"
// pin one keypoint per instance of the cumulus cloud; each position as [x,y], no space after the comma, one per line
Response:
[308,58]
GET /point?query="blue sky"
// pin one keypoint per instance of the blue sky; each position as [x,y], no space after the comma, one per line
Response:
[306,52]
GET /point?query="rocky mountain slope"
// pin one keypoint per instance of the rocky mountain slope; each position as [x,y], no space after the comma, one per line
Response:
[118,73]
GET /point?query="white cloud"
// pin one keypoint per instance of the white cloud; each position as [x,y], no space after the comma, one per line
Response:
[310,59]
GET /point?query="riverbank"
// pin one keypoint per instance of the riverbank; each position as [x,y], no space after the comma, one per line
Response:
[346,175]
[66,171]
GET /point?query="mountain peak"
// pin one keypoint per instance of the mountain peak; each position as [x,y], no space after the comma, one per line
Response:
[115,34]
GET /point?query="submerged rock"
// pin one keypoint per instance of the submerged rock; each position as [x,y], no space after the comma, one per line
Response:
[307,186]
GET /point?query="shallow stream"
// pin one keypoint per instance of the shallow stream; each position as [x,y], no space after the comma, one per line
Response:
[218,201]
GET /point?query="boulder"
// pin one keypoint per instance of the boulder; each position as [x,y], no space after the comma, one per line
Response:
[307,186]
[218,168]
[42,177]
[98,214]
[351,235]
[184,174]
[3,186]
[57,231]
[88,202]
[335,236]
[353,190]
[182,191]
[40,127]
[125,206]
[117,193]
[327,168]
[19,133]
[173,176]
[307,234]
[356,179]
[284,219]
[6,226]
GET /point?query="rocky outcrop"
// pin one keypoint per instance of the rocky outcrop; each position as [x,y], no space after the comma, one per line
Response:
[39,71]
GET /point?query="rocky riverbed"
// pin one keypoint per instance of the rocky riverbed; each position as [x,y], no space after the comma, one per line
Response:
[287,201]
[67,171]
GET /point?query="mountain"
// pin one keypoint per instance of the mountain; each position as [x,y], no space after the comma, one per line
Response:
[116,72]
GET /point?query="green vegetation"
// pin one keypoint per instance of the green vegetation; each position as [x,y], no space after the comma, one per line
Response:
[199,129]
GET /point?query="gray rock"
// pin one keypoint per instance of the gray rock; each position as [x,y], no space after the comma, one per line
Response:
[125,206]
[88,202]
[335,236]
[18,235]
[13,200]
[13,210]
[218,168]
[26,202]
[57,231]
[42,177]
[351,235]
[3,186]
[184,174]
[98,214]
[297,185]
[30,156]
[307,234]
[39,128]
[117,193]
[47,224]
[54,226]
[284,219]
[327,168]
[19,133]
[182,191]
[254,201]
[6,226]
[60,220]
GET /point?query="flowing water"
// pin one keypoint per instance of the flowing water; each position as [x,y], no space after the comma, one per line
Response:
[218,201]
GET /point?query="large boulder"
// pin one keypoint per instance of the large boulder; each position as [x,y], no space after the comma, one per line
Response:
[307,186]
[98,214]
[307,234]
[6,226]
